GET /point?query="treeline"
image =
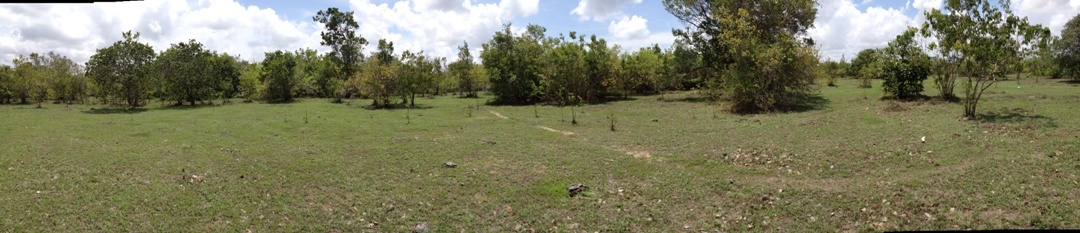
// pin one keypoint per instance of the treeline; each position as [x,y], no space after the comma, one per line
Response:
[517,68]
[531,67]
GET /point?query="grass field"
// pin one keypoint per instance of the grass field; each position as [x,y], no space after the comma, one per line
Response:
[673,163]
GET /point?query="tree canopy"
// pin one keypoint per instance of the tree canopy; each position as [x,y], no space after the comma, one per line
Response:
[758,49]
[121,71]
[980,41]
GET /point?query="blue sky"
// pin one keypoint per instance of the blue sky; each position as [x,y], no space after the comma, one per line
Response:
[249,28]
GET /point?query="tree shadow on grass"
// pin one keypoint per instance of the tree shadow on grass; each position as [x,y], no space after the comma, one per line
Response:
[395,107]
[1011,115]
[1015,115]
[806,104]
[688,99]
[115,110]
[615,99]
[186,107]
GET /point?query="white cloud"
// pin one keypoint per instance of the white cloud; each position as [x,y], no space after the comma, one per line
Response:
[77,31]
[663,39]
[600,10]
[440,5]
[1050,13]
[628,28]
[842,29]
[434,29]
[926,5]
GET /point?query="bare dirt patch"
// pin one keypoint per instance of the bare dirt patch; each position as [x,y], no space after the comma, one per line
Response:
[498,114]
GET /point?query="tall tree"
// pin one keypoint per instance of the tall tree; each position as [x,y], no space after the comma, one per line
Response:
[6,79]
[225,71]
[460,69]
[68,85]
[565,77]
[121,70]
[187,71]
[1067,49]
[251,84]
[867,65]
[758,48]
[308,65]
[986,39]
[340,34]
[381,78]
[603,70]
[418,75]
[685,66]
[278,74]
[514,65]
[905,66]
[31,78]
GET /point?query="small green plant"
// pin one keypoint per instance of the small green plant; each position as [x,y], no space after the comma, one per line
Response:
[573,115]
[468,109]
[611,117]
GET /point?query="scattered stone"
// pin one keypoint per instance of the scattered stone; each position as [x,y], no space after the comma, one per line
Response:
[450,165]
[191,179]
[489,142]
[576,189]
[420,228]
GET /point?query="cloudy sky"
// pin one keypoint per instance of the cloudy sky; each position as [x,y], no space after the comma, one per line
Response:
[249,28]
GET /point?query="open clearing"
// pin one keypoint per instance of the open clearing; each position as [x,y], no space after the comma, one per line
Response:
[672,164]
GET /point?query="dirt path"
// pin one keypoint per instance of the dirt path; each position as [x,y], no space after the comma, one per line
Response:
[498,114]
[635,154]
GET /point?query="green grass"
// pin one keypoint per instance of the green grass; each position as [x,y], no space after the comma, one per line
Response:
[673,164]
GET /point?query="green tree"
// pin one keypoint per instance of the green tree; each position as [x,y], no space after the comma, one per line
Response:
[603,70]
[187,71]
[121,71]
[1067,49]
[565,77]
[225,71]
[514,63]
[6,79]
[251,84]
[308,71]
[984,41]
[417,76]
[1044,63]
[278,74]
[867,65]
[32,78]
[381,79]
[68,83]
[644,68]
[340,35]
[684,66]
[905,66]
[755,46]
[460,70]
